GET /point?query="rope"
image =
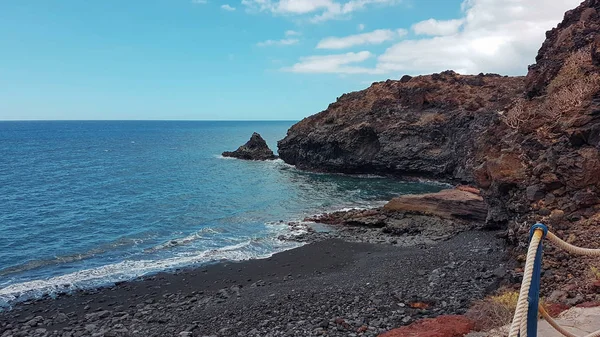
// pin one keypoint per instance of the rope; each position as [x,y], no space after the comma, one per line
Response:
[594,334]
[560,329]
[518,327]
[553,323]
[570,248]
[521,310]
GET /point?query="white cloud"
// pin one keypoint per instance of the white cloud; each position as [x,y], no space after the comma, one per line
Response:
[282,42]
[321,10]
[200,2]
[227,8]
[292,33]
[375,37]
[360,27]
[501,36]
[497,36]
[337,63]
[435,27]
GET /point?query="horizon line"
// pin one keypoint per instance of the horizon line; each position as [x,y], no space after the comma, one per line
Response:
[149,120]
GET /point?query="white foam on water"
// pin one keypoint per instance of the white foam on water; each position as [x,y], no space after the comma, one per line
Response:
[278,162]
[293,228]
[218,156]
[130,269]
[358,207]
[198,235]
[434,182]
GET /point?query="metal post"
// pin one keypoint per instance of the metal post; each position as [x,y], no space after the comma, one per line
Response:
[534,290]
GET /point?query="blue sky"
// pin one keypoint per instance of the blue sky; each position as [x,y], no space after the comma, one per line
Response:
[249,60]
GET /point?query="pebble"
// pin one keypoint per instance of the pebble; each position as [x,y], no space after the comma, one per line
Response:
[331,303]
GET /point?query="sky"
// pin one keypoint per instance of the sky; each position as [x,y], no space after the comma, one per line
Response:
[248,59]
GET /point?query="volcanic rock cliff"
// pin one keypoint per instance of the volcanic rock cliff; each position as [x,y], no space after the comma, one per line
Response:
[531,144]
[421,126]
[543,161]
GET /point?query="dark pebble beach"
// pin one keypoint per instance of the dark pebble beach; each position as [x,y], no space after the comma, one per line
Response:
[325,288]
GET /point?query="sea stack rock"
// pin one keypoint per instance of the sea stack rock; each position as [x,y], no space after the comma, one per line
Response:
[255,149]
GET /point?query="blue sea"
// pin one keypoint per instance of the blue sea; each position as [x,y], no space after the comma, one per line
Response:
[89,203]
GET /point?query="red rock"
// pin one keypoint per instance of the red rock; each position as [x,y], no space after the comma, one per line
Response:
[419,305]
[467,188]
[442,326]
[555,309]
[588,305]
[339,321]
[596,286]
[362,329]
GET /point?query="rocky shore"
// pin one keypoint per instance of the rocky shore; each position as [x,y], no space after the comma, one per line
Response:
[405,221]
[530,144]
[326,288]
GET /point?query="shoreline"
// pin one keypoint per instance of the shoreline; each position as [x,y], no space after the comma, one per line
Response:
[304,291]
[298,231]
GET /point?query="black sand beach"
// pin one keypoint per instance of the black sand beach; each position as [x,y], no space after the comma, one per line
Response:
[331,288]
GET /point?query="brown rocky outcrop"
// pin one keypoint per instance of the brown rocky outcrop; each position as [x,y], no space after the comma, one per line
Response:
[448,204]
[433,215]
[531,145]
[578,30]
[546,164]
[422,126]
[255,149]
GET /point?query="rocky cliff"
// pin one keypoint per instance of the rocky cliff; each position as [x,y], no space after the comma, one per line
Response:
[531,144]
[543,162]
[421,126]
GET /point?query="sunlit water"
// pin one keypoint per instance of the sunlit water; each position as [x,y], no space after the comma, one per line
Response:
[85,204]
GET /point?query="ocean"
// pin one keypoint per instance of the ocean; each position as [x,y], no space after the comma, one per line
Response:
[89,203]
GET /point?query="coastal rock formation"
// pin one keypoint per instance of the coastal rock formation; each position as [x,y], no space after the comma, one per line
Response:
[255,149]
[421,126]
[448,204]
[532,145]
[433,216]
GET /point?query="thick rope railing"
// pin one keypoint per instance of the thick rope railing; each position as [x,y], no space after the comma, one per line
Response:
[554,323]
[522,303]
[570,248]
[526,313]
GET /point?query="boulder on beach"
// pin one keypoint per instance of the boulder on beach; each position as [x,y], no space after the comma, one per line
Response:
[255,149]
[460,203]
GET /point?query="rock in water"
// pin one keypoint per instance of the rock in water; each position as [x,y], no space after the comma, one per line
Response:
[255,149]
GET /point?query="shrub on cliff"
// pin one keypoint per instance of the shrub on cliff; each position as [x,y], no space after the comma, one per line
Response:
[494,311]
[574,85]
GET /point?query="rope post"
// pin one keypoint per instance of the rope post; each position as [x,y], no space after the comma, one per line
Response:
[534,292]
